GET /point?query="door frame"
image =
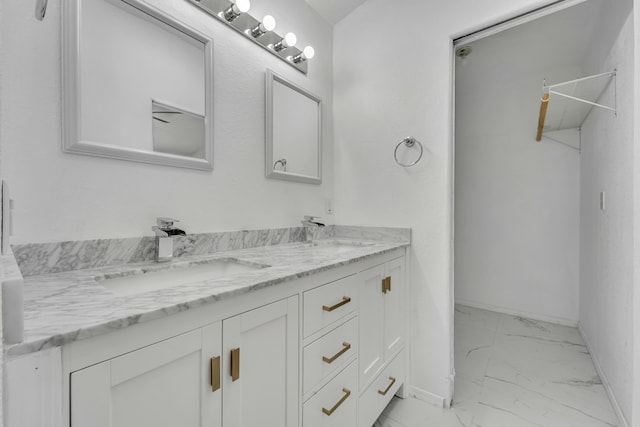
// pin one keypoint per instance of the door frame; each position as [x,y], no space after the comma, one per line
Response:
[470,35]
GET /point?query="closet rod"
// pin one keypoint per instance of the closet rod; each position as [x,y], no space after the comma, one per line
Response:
[544,103]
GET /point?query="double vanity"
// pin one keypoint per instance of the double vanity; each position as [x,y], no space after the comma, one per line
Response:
[298,333]
[303,326]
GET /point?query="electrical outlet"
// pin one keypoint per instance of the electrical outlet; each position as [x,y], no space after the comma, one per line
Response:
[328,206]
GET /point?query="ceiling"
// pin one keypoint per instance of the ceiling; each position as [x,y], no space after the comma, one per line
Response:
[569,38]
[535,48]
[510,66]
[334,10]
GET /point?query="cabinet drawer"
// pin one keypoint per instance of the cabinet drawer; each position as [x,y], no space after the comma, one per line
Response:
[328,303]
[329,353]
[378,395]
[334,405]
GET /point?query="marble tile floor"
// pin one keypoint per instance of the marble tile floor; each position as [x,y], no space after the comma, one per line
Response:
[513,372]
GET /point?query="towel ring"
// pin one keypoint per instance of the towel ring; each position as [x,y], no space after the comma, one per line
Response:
[409,142]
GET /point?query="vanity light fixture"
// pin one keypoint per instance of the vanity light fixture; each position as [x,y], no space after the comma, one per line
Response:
[235,14]
[268,24]
[307,53]
[289,40]
[236,9]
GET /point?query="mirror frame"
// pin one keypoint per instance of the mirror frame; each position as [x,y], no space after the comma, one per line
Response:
[71,91]
[269,171]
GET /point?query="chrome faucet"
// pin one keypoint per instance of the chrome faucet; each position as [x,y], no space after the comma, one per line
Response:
[310,221]
[164,238]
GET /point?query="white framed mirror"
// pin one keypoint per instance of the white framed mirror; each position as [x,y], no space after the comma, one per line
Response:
[137,85]
[293,132]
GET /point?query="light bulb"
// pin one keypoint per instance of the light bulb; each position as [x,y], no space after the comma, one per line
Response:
[237,8]
[289,40]
[309,52]
[243,5]
[268,24]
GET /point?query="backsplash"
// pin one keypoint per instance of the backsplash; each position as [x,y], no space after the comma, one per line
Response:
[390,234]
[45,258]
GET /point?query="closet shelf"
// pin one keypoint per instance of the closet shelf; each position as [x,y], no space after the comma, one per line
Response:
[566,105]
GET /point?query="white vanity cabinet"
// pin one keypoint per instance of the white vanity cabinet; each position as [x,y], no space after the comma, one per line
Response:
[331,343]
[381,337]
[381,317]
[242,371]
[323,350]
[160,385]
[260,372]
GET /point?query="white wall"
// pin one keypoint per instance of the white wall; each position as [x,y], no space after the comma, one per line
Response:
[517,201]
[607,246]
[70,197]
[393,78]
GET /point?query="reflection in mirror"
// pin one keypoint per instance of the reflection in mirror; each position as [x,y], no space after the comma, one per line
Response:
[177,131]
[120,58]
[294,142]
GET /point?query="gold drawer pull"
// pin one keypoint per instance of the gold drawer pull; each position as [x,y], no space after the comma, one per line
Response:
[386,285]
[347,393]
[386,390]
[235,364]
[215,373]
[330,360]
[345,300]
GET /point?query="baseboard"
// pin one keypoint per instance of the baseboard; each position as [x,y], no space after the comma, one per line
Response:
[622,421]
[426,396]
[534,316]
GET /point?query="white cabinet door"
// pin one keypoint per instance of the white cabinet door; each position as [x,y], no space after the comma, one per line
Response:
[371,324]
[394,304]
[167,384]
[260,366]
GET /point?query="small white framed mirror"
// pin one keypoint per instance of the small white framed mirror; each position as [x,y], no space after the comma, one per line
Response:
[137,85]
[293,132]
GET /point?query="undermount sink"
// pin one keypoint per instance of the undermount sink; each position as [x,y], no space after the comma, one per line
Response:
[154,279]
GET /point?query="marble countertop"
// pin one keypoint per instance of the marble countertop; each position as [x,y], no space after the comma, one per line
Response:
[68,306]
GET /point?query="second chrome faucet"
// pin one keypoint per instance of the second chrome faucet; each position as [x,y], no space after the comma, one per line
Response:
[164,238]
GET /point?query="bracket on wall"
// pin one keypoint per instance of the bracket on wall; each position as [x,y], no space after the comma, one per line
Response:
[587,91]
[244,23]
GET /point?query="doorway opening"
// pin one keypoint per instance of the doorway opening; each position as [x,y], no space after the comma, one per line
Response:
[541,261]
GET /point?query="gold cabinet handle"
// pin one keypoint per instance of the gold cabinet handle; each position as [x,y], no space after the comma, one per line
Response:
[386,285]
[235,364]
[347,393]
[386,390]
[345,300]
[329,360]
[215,373]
